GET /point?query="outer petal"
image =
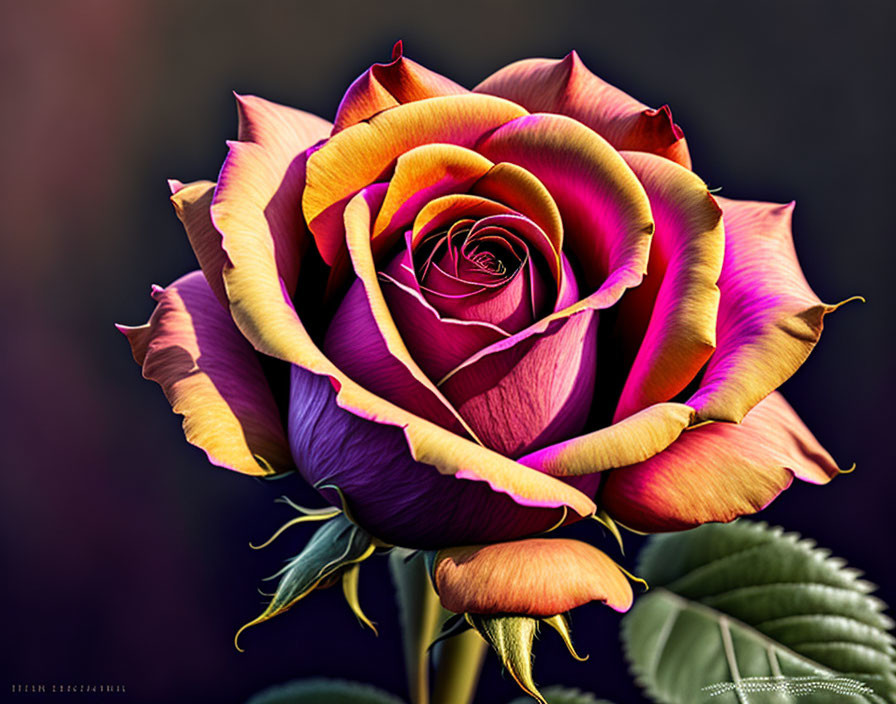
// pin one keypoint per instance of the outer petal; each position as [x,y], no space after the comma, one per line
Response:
[567,87]
[362,339]
[387,85]
[191,203]
[362,153]
[680,297]
[719,471]
[536,390]
[256,203]
[412,499]
[769,318]
[606,213]
[212,377]
[535,577]
[627,442]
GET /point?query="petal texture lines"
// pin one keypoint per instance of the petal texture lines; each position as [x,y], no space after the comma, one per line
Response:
[566,87]
[362,339]
[718,471]
[680,297]
[606,214]
[361,154]
[769,319]
[192,203]
[386,85]
[536,577]
[212,376]
[412,499]
[255,208]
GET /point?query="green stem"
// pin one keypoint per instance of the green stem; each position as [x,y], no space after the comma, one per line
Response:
[458,669]
[420,616]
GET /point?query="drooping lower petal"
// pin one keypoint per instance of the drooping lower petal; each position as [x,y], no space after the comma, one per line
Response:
[536,389]
[386,85]
[566,86]
[718,471]
[680,298]
[212,377]
[534,577]
[192,203]
[410,485]
[769,318]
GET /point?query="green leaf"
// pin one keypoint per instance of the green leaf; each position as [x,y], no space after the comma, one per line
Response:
[321,691]
[563,695]
[746,613]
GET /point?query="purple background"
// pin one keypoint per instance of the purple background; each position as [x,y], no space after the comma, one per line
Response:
[124,553]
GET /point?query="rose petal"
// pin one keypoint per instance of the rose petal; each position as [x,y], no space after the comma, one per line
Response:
[397,480]
[567,87]
[263,310]
[387,85]
[534,391]
[212,377]
[437,344]
[718,471]
[769,319]
[192,202]
[362,339]
[606,213]
[358,155]
[535,577]
[255,203]
[632,440]
[679,297]
[421,174]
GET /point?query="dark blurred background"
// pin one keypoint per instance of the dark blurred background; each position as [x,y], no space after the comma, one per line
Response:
[124,553]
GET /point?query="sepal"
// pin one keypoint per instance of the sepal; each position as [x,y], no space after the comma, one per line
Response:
[336,546]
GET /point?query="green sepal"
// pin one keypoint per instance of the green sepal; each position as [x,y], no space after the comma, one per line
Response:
[512,638]
[323,691]
[560,623]
[335,546]
[453,626]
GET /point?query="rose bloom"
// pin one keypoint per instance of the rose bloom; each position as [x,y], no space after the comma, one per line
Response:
[475,316]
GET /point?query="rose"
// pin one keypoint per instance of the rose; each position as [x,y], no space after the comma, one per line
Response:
[445,293]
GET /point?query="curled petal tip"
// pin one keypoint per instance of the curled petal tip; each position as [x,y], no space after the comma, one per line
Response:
[174,185]
[398,50]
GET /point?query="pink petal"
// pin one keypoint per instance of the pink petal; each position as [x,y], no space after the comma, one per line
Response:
[567,87]
[769,318]
[212,377]
[606,213]
[362,339]
[679,297]
[384,86]
[719,471]
[536,389]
